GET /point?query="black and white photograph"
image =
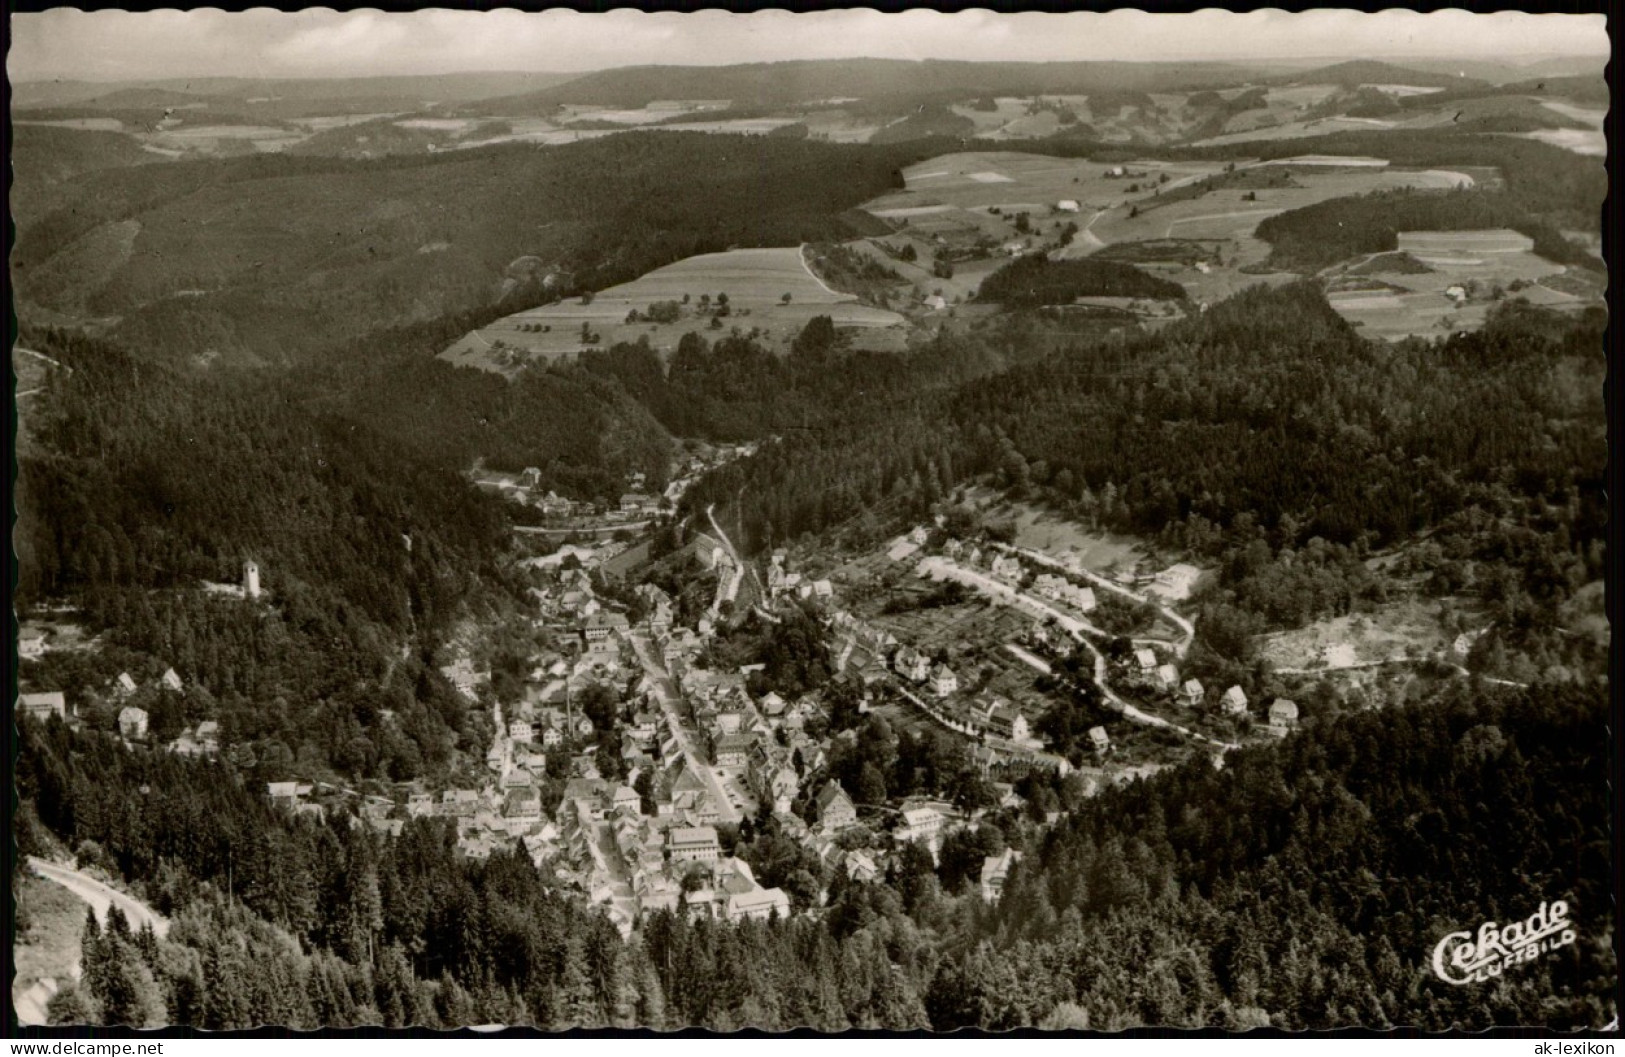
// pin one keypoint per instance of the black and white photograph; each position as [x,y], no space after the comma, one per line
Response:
[843,522]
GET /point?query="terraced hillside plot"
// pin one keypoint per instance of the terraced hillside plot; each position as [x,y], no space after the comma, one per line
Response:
[754,280]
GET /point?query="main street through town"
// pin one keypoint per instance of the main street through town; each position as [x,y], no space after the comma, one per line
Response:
[667,695]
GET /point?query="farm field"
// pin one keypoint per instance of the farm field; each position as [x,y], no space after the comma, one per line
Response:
[659,110]
[1400,304]
[323,122]
[1225,215]
[977,181]
[1295,129]
[990,123]
[839,126]
[950,200]
[1225,222]
[84,124]
[1592,142]
[755,281]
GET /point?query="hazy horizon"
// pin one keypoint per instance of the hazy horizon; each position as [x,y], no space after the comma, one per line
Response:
[71,45]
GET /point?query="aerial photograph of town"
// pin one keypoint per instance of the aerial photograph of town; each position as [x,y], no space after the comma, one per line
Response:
[838,522]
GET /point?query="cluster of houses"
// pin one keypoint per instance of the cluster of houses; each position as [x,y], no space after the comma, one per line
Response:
[629,843]
[640,501]
[1280,719]
[132,721]
[526,488]
[782,582]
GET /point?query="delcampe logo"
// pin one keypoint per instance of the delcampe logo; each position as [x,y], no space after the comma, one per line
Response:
[1460,959]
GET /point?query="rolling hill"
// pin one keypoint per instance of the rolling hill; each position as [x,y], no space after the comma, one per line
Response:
[809,81]
[271,258]
[1365,71]
[343,91]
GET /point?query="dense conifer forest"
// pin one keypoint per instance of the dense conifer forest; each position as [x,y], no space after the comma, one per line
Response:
[1030,281]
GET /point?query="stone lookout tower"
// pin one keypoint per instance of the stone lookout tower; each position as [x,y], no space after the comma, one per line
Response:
[251,579]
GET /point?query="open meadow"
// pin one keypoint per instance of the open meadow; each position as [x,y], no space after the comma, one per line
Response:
[1392,632]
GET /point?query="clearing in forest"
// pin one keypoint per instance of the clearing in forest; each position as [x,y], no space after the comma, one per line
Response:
[672,301]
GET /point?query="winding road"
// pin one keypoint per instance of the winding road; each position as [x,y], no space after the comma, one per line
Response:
[100,896]
[1182,623]
[31,1005]
[939,568]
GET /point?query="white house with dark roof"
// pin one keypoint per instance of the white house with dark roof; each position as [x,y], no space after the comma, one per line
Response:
[693,844]
[760,904]
[995,868]
[920,824]
[42,706]
[835,808]
[1283,717]
[31,643]
[132,722]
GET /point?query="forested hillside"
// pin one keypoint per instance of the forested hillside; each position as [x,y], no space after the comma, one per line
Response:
[899,83]
[1303,887]
[734,388]
[1265,434]
[43,157]
[139,483]
[1031,281]
[1306,886]
[274,258]
[1266,406]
